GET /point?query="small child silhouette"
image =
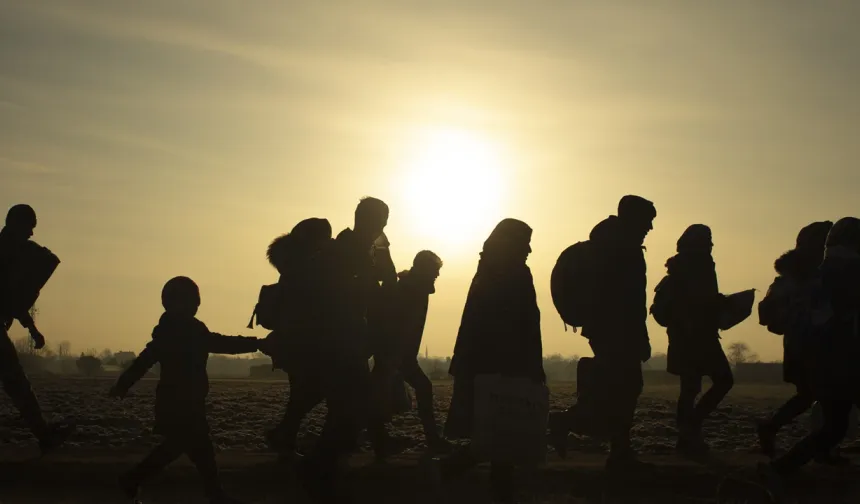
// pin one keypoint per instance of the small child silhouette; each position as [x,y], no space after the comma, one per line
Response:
[181,344]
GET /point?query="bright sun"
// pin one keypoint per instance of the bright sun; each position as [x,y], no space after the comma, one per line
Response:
[453,185]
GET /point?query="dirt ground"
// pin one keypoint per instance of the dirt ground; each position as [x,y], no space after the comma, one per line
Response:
[113,435]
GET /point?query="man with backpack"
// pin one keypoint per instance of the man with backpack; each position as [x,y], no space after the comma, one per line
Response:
[600,286]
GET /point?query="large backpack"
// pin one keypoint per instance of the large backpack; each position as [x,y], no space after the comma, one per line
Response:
[661,308]
[268,307]
[572,284]
[774,310]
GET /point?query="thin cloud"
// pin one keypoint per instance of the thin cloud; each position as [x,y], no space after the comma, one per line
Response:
[20,166]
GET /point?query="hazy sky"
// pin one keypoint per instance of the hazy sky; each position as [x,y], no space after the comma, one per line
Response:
[173,137]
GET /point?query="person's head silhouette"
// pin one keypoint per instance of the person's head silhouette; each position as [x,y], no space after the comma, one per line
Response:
[637,214]
[371,217]
[426,267]
[180,296]
[21,221]
[845,235]
[696,239]
[510,242]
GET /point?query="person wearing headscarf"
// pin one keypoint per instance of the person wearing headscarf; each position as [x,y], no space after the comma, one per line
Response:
[831,348]
[694,305]
[499,334]
[796,270]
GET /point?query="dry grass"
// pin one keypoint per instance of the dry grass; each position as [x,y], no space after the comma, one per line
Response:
[114,434]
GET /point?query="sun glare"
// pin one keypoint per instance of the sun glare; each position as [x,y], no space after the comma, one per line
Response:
[453,185]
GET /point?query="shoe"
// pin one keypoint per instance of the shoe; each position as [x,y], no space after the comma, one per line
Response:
[55,436]
[767,439]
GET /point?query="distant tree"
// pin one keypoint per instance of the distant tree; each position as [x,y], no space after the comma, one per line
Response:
[64,349]
[47,352]
[740,353]
[89,365]
[25,346]
[28,356]
[105,355]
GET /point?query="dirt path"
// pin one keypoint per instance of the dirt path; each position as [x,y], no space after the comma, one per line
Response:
[88,476]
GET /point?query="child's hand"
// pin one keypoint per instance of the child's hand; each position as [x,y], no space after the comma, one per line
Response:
[117,392]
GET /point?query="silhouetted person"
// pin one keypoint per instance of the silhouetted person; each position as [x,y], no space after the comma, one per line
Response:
[694,305]
[616,330]
[797,270]
[181,344]
[396,352]
[16,299]
[350,282]
[298,258]
[831,347]
[499,334]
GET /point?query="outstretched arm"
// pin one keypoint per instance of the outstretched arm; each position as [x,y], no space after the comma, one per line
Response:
[220,344]
[147,358]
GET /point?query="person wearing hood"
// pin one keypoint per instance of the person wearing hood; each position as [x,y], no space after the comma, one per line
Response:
[296,256]
[499,334]
[616,330]
[796,270]
[395,354]
[831,347]
[693,306]
[14,242]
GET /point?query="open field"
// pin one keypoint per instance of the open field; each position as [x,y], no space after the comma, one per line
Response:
[114,434]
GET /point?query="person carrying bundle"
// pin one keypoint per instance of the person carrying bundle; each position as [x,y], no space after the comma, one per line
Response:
[689,304]
[25,267]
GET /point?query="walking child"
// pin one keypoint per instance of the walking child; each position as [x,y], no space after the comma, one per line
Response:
[181,344]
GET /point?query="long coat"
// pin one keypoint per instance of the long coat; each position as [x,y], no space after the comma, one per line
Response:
[499,334]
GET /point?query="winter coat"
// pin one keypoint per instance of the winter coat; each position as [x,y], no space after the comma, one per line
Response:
[696,305]
[499,334]
[181,345]
[619,319]
[788,294]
